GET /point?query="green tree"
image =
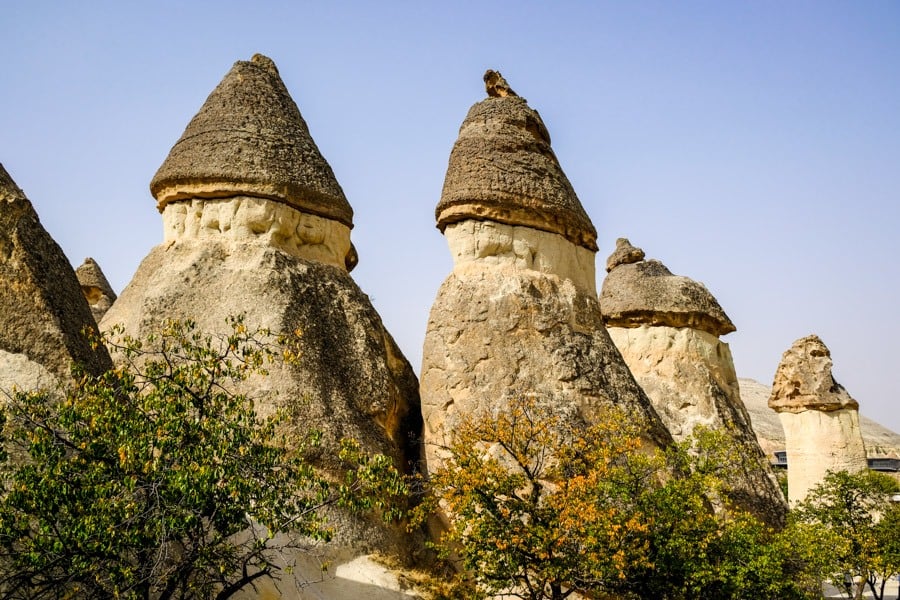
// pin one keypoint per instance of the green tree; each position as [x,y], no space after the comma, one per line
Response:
[159,479]
[856,509]
[542,507]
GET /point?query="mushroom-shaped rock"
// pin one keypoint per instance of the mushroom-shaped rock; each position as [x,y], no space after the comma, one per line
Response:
[43,312]
[503,169]
[666,328]
[820,419]
[519,313]
[644,292]
[249,139]
[96,289]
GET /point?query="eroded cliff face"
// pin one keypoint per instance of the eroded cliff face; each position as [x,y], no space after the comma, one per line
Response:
[667,329]
[820,419]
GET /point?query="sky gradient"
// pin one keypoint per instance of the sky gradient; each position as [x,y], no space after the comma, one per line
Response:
[754,147]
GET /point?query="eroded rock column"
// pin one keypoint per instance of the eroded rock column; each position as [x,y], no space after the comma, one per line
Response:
[820,419]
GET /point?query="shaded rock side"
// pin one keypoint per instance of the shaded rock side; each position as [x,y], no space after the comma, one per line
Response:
[352,380]
[503,169]
[689,377]
[498,332]
[820,419]
[250,139]
[43,310]
[879,440]
[647,293]
[96,289]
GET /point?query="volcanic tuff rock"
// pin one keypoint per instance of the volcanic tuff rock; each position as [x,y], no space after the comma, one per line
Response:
[43,311]
[687,372]
[820,419]
[645,292]
[503,169]
[96,289]
[519,313]
[256,224]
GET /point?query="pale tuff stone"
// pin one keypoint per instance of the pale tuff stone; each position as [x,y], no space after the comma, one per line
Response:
[96,289]
[690,379]
[42,310]
[244,219]
[19,373]
[820,419]
[521,247]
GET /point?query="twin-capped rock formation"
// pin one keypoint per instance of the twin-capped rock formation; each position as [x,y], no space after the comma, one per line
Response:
[519,312]
[820,419]
[667,328]
[255,223]
[44,314]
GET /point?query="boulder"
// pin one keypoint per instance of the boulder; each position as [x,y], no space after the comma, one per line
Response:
[44,314]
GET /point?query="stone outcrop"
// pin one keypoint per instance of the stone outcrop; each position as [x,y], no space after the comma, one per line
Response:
[820,419]
[96,289]
[256,224]
[43,311]
[667,329]
[519,312]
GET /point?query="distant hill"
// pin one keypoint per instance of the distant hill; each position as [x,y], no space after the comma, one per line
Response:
[879,440]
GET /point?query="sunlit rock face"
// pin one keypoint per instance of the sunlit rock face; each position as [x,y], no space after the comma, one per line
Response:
[255,224]
[667,329]
[96,289]
[519,312]
[43,314]
[820,419]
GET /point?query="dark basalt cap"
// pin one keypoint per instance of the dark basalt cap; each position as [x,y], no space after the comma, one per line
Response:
[249,139]
[638,292]
[503,169]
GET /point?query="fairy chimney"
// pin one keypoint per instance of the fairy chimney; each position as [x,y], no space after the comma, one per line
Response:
[43,316]
[255,223]
[96,289]
[519,312]
[820,419]
[667,328]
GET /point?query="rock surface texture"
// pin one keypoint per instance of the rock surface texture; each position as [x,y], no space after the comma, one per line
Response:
[820,419]
[672,347]
[519,313]
[96,289]
[255,224]
[43,311]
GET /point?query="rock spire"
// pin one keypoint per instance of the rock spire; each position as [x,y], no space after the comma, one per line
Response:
[96,289]
[266,235]
[667,329]
[519,312]
[820,419]
[43,311]
[503,169]
[249,139]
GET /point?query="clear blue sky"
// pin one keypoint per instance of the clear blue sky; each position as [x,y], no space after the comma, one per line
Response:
[752,146]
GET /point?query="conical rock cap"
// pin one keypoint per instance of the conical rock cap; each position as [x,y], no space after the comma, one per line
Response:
[804,380]
[503,169]
[644,292]
[249,139]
